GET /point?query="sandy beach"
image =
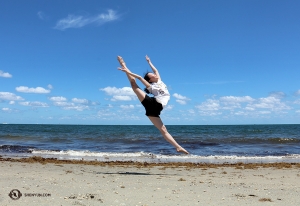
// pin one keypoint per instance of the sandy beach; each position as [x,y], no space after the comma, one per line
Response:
[39,181]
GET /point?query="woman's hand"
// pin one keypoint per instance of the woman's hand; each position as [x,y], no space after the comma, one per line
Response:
[121,61]
[148,59]
[124,69]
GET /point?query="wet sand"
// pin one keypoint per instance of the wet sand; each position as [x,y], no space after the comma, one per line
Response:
[69,182]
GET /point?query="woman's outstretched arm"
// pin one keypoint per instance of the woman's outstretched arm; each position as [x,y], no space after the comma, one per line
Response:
[155,71]
[127,71]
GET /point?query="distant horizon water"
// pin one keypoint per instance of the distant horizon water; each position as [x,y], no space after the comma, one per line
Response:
[144,143]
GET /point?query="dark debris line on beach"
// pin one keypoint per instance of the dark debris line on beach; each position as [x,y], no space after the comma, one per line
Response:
[37,159]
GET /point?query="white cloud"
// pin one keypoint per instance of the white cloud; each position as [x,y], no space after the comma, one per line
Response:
[80,101]
[34,104]
[5,74]
[5,109]
[120,94]
[297,92]
[127,106]
[50,86]
[236,99]
[58,99]
[277,94]
[61,102]
[178,96]
[271,102]
[37,90]
[42,15]
[9,96]
[168,107]
[73,21]
[118,91]
[297,101]
[264,112]
[244,105]
[11,102]
[191,111]
[76,107]
[180,99]
[121,98]
[232,102]
[95,103]
[76,104]
[209,105]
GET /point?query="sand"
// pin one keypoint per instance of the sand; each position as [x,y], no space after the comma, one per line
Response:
[53,182]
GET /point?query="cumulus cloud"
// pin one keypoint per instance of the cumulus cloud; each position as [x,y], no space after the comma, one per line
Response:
[232,102]
[236,99]
[5,109]
[180,99]
[209,105]
[58,99]
[118,91]
[7,96]
[271,102]
[50,86]
[63,104]
[80,101]
[37,90]
[121,98]
[243,105]
[34,104]
[120,94]
[74,21]
[127,106]
[169,107]
[76,104]
[5,74]
[76,107]
[70,106]
[277,94]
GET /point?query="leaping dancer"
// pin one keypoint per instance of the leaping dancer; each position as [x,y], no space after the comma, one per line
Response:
[153,105]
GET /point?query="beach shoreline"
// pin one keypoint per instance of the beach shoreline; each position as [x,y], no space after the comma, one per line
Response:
[49,181]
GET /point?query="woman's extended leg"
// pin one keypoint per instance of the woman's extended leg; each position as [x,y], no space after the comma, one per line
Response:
[162,128]
[139,93]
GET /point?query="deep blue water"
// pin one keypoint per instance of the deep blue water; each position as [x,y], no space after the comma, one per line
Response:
[199,140]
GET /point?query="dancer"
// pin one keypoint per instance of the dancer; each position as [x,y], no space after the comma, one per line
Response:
[153,105]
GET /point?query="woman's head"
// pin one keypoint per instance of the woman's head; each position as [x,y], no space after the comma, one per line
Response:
[150,77]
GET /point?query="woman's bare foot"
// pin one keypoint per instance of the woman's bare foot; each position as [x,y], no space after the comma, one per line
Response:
[180,149]
[121,61]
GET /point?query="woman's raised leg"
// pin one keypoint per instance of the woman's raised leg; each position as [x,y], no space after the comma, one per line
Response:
[139,93]
[162,128]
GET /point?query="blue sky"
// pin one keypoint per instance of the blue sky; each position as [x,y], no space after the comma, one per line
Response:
[224,62]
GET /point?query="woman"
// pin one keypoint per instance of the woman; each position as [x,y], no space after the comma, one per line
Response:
[153,105]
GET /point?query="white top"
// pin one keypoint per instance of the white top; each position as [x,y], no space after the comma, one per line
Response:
[160,92]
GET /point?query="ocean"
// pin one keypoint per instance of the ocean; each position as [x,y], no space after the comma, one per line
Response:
[144,143]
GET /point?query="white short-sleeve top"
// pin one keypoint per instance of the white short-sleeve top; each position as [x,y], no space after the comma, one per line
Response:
[160,92]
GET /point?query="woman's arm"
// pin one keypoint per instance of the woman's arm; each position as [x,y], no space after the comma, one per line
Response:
[155,71]
[127,71]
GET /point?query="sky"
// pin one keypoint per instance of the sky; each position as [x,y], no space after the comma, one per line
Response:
[224,62]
